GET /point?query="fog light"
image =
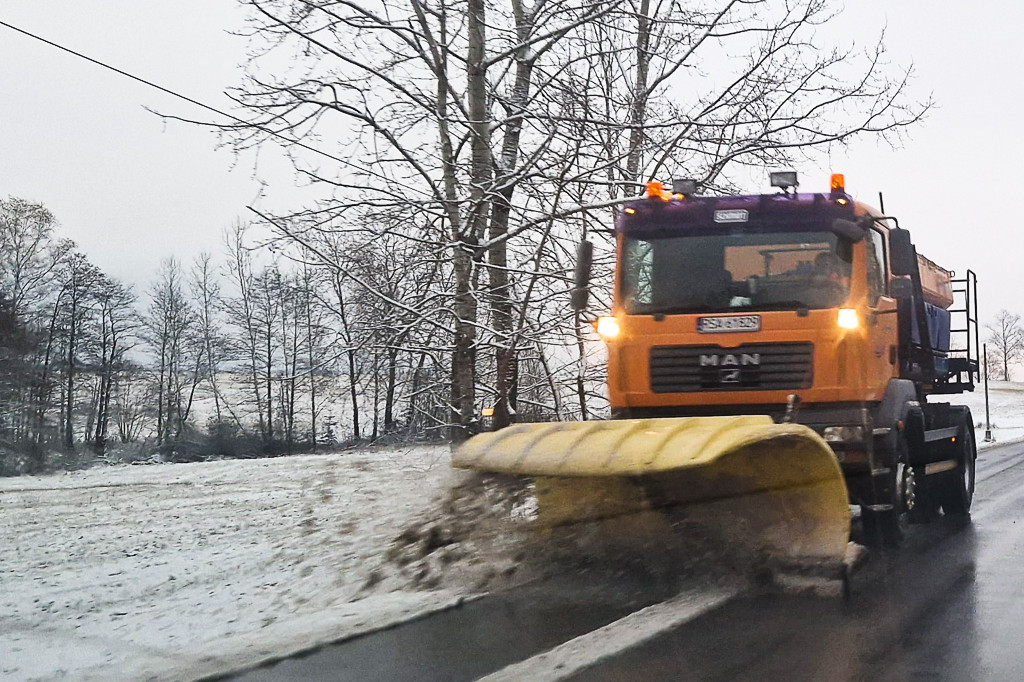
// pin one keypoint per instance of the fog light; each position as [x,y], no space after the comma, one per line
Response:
[607,327]
[843,434]
[848,318]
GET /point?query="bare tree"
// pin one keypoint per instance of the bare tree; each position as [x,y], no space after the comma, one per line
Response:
[992,364]
[1006,341]
[130,415]
[166,328]
[350,343]
[15,345]
[70,329]
[30,258]
[29,253]
[79,280]
[211,343]
[486,129]
[313,317]
[115,331]
[241,310]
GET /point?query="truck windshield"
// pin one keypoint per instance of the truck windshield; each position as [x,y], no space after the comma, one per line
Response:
[733,272]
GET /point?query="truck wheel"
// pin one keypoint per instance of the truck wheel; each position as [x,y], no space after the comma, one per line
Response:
[927,503]
[888,527]
[957,486]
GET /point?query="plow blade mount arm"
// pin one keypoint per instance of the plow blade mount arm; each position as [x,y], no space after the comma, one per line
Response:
[777,486]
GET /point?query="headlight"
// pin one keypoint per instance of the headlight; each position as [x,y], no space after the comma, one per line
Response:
[607,327]
[848,318]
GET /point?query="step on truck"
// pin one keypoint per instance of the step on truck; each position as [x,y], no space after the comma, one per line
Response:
[782,356]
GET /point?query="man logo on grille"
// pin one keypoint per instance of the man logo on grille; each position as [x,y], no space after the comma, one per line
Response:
[729,376]
[731,360]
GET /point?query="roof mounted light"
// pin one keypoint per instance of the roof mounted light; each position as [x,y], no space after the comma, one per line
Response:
[838,184]
[655,190]
[784,180]
[686,187]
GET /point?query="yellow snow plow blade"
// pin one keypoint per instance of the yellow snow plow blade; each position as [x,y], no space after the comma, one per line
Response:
[777,486]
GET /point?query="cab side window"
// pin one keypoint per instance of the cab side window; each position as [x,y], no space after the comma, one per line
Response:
[639,271]
[876,266]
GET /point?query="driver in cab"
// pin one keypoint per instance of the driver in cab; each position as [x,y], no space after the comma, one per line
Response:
[828,268]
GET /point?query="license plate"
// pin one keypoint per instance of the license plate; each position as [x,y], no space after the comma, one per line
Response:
[733,323]
[734,216]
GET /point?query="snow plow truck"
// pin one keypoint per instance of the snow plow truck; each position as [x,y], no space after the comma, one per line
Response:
[778,358]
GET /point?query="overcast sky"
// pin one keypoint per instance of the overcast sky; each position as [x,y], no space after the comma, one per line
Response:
[127,186]
[132,189]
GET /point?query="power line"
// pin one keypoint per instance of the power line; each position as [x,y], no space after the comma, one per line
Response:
[175,94]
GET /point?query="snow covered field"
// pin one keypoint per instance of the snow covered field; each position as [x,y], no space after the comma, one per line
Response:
[176,571]
[1006,411]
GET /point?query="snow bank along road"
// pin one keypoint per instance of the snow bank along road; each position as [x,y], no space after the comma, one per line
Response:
[178,571]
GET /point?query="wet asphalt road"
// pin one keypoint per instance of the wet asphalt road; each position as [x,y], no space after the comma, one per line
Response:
[949,605]
[472,640]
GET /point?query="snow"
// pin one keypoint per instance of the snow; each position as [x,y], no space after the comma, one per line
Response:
[175,571]
[179,571]
[1006,411]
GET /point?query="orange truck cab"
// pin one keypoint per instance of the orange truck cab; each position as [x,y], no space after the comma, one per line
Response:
[812,308]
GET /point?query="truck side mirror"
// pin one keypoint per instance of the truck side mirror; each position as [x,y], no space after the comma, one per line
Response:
[849,230]
[901,288]
[902,254]
[581,287]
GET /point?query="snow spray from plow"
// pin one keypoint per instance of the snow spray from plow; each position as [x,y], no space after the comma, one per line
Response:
[776,488]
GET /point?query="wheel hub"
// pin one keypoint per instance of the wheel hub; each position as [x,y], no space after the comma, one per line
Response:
[906,487]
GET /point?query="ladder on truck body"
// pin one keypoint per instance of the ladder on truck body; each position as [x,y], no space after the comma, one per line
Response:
[965,348]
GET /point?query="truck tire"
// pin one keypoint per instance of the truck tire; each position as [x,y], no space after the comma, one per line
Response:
[957,486]
[927,503]
[926,498]
[888,527]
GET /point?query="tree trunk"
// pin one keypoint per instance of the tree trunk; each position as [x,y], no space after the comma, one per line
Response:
[389,394]
[638,108]
[69,432]
[162,397]
[269,436]
[376,396]
[463,393]
[581,387]
[102,427]
[463,370]
[311,359]
[353,392]
[498,277]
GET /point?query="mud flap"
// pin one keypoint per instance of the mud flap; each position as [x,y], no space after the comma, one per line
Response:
[774,488]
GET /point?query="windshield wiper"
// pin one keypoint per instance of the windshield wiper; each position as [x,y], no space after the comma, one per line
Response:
[779,305]
[675,310]
[791,304]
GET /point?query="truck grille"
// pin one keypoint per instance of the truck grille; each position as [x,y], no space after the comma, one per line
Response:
[750,367]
